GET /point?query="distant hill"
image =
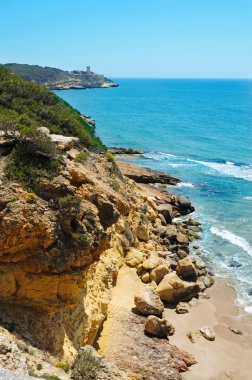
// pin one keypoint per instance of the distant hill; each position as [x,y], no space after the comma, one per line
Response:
[57,79]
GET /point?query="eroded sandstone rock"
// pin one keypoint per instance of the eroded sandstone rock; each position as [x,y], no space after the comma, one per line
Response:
[148,302]
[173,289]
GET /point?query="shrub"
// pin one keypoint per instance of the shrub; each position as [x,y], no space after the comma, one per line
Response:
[81,157]
[31,198]
[33,157]
[70,202]
[80,237]
[110,157]
[86,366]
[63,365]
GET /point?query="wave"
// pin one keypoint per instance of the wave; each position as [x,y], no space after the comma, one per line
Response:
[159,156]
[229,168]
[247,198]
[185,184]
[233,239]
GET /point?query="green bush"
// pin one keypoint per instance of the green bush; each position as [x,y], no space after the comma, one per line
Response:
[86,366]
[81,157]
[63,365]
[31,198]
[80,237]
[110,157]
[33,157]
[39,366]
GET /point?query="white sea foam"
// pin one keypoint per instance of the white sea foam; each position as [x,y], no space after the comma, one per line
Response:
[233,239]
[247,198]
[185,184]
[229,168]
[159,156]
[248,309]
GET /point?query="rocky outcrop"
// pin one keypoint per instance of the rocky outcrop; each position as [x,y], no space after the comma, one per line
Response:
[145,175]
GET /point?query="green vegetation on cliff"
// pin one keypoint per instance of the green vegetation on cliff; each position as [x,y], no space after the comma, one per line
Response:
[24,104]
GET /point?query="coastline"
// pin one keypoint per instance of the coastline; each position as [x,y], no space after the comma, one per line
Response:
[229,356]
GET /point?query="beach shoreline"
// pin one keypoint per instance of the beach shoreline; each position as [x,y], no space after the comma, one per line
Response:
[228,357]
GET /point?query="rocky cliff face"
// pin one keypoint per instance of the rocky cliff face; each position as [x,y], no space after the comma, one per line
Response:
[62,248]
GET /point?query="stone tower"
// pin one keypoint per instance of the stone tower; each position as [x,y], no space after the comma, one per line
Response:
[88,69]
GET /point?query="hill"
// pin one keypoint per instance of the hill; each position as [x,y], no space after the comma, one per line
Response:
[57,79]
[27,105]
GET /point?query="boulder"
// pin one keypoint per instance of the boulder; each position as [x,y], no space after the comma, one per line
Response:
[186,270]
[171,232]
[200,264]
[158,327]
[182,238]
[64,142]
[207,333]
[194,335]
[182,253]
[185,205]
[173,289]
[148,302]
[151,262]
[142,232]
[166,211]
[44,130]
[182,308]
[146,277]
[157,274]
[79,174]
[208,281]
[134,257]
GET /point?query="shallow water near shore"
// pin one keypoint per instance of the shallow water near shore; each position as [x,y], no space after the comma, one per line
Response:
[201,132]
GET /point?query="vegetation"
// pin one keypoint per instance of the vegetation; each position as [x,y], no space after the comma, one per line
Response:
[81,157]
[63,365]
[26,105]
[33,157]
[86,366]
[81,238]
[110,157]
[31,198]
[70,202]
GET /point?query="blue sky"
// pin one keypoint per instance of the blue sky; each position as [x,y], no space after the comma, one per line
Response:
[131,38]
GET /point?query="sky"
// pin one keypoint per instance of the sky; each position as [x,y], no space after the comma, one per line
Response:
[131,38]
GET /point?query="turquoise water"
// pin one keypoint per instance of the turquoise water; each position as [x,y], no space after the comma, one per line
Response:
[201,132]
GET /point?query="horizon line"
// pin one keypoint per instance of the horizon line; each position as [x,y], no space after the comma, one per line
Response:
[187,78]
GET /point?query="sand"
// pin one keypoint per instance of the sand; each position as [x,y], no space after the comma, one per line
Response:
[230,355]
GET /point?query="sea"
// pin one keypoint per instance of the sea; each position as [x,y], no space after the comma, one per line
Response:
[200,131]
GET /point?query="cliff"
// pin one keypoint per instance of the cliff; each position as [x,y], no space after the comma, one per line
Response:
[74,229]
[56,79]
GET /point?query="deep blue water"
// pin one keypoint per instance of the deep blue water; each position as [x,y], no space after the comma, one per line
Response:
[201,132]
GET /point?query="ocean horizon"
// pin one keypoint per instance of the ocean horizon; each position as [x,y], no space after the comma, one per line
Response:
[198,130]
